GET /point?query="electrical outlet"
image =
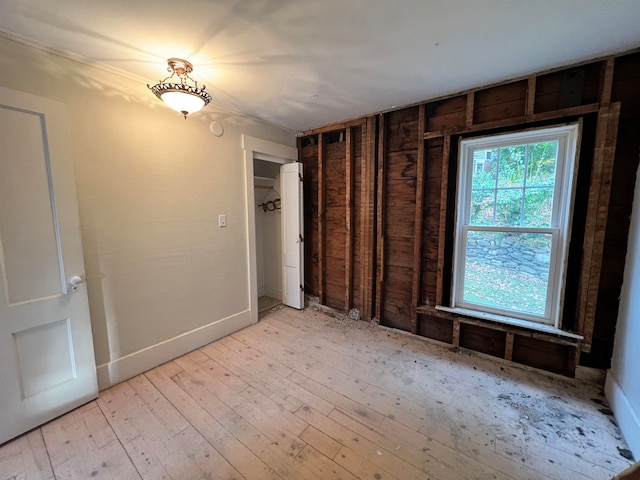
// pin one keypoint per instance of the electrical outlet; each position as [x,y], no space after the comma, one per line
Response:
[222,221]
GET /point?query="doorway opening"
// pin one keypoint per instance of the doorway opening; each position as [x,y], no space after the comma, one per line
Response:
[275,253]
[268,225]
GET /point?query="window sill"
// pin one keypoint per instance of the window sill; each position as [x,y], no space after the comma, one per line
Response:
[516,322]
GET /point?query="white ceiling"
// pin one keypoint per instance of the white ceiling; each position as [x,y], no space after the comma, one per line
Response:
[306,63]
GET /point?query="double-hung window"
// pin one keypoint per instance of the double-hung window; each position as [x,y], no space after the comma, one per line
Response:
[512,224]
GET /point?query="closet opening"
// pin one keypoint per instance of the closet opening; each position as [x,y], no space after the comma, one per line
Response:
[268,227]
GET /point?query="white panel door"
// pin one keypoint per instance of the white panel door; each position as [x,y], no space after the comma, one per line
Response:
[292,246]
[47,366]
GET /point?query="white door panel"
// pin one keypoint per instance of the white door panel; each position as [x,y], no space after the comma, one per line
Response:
[292,246]
[47,365]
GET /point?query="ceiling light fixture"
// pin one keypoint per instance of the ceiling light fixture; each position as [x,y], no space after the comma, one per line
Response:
[184,97]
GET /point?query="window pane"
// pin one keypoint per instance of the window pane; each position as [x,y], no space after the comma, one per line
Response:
[482,207]
[507,271]
[538,204]
[541,167]
[484,169]
[511,166]
[508,207]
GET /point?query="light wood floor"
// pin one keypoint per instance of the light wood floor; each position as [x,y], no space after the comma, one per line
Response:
[302,395]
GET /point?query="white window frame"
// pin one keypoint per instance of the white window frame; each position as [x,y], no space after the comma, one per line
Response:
[560,229]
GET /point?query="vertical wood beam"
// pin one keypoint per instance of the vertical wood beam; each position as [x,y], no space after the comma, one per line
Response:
[508,347]
[348,258]
[456,333]
[470,107]
[380,248]
[417,235]
[572,361]
[607,82]
[597,214]
[444,188]
[367,207]
[531,95]
[321,219]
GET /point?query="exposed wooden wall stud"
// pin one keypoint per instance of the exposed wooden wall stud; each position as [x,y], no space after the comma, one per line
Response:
[531,95]
[470,108]
[444,187]
[508,347]
[380,219]
[348,259]
[597,214]
[607,82]
[321,220]
[417,239]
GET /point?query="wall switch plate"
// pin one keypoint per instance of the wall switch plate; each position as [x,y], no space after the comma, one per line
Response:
[222,221]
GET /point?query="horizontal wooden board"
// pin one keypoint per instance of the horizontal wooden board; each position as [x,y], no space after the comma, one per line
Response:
[500,102]
[335,219]
[399,251]
[334,247]
[447,113]
[568,88]
[401,165]
[396,314]
[335,271]
[437,328]
[400,193]
[401,116]
[334,295]
[483,340]
[433,159]
[398,280]
[540,354]
[399,221]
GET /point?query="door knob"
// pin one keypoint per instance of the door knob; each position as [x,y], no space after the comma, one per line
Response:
[75,280]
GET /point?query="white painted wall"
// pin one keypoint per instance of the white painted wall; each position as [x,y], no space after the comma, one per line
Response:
[162,277]
[623,379]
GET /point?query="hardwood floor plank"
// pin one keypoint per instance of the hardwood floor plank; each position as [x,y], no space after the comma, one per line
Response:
[427,455]
[487,391]
[165,413]
[304,395]
[315,379]
[322,466]
[320,441]
[74,453]
[236,453]
[262,414]
[374,453]
[26,457]
[252,369]
[170,441]
[363,468]
[254,357]
[279,457]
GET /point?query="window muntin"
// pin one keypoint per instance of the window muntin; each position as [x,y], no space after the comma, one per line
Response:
[513,221]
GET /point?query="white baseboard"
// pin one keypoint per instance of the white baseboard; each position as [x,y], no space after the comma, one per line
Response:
[135,363]
[627,417]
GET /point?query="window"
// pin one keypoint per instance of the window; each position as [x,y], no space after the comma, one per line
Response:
[512,226]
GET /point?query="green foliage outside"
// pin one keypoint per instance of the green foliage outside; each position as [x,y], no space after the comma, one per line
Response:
[514,185]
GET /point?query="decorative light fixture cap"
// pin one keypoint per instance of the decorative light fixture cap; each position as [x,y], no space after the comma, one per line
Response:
[184,97]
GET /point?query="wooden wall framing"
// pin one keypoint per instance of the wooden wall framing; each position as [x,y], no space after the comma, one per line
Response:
[379,203]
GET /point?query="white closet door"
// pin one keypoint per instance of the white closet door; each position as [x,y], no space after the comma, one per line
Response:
[47,365]
[292,240]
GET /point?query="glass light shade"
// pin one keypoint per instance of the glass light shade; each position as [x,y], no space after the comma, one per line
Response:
[182,102]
